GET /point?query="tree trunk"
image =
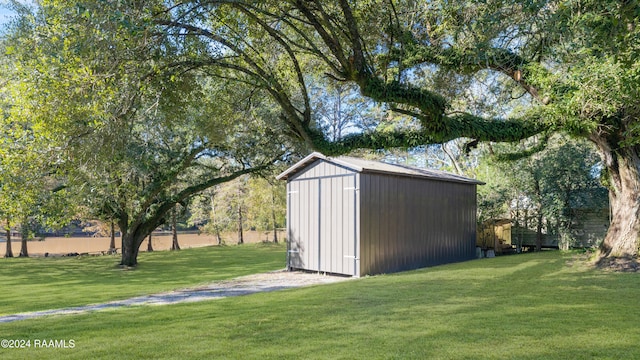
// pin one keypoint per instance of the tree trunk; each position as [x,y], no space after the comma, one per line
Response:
[130,247]
[149,245]
[214,219]
[112,244]
[275,229]
[623,235]
[24,252]
[133,235]
[174,230]
[453,159]
[539,216]
[240,233]
[129,255]
[9,252]
[623,167]
[517,224]
[273,217]
[132,239]
[539,231]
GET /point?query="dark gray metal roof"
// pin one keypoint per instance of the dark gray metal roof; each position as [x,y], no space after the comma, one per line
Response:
[370,166]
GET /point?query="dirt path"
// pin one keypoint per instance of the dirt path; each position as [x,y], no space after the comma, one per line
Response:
[245,285]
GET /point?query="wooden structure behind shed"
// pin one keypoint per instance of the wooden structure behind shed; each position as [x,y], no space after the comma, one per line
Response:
[357,217]
[587,229]
[495,234]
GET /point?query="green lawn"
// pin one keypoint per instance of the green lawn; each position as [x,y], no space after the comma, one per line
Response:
[533,306]
[30,284]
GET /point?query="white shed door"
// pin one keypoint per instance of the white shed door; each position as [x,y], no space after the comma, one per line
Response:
[322,224]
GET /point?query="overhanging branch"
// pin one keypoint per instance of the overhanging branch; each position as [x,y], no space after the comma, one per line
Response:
[461,126]
[467,62]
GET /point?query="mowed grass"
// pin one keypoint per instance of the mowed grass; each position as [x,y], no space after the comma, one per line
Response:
[535,306]
[31,284]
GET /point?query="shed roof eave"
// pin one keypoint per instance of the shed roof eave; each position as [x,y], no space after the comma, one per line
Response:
[461,180]
[360,165]
[378,167]
[300,164]
[310,159]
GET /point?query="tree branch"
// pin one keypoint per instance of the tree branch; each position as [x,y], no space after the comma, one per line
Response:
[468,62]
[306,115]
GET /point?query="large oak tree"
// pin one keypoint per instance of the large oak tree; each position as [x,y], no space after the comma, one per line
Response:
[550,66]
[572,64]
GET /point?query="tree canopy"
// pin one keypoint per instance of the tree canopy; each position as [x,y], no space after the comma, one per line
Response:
[132,139]
[489,71]
[555,66]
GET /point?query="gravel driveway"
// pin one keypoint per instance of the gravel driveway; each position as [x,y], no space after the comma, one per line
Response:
[245,285]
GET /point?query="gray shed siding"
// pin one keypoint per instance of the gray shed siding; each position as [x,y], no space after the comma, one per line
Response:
[358,221]
[408,223]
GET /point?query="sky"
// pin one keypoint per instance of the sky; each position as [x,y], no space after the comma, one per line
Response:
[6,14]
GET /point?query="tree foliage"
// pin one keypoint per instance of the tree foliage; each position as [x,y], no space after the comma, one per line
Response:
[568,66]
[135,136]
[30,190]
[543,66]
[548,187]
[262,202]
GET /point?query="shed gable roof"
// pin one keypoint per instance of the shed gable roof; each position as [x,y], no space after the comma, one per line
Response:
[370,166]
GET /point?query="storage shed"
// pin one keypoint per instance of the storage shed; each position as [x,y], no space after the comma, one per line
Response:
[358,217]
